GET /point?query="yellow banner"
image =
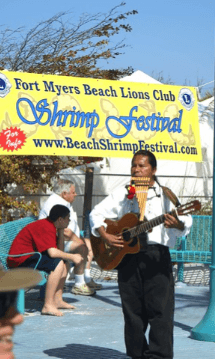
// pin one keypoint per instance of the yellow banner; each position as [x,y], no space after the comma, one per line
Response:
[71,116]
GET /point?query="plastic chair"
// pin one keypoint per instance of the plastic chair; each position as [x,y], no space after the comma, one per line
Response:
[8,232]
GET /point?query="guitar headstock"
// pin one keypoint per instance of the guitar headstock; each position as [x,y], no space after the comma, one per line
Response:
[187,208]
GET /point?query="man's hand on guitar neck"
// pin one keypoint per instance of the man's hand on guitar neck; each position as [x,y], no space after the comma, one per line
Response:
[111,239]
[173,222]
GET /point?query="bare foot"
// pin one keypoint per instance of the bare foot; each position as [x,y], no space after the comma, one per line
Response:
[51,310]
[65,305]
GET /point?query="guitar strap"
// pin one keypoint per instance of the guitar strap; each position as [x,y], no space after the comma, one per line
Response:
[172,197]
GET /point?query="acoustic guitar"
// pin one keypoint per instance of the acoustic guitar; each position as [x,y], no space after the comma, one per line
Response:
[109,257]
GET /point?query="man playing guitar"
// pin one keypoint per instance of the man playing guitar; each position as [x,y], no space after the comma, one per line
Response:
[145,278]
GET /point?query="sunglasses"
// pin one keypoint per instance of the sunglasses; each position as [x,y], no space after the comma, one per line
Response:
[7,300]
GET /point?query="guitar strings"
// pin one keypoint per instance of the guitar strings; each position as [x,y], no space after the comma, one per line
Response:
[193,206]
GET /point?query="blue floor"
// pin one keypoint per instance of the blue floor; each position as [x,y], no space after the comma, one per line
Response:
[95,328]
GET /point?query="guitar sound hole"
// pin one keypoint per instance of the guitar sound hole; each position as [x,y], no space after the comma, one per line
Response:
[134,242]
[127,238]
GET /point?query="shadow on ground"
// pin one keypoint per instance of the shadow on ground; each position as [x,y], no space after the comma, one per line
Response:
[79,351]
[202,298]
[185,327]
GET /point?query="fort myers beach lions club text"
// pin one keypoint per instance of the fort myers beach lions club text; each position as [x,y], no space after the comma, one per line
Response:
[86,89]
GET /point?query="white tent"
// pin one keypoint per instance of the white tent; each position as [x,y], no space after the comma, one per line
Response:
[174,174]
[140,76]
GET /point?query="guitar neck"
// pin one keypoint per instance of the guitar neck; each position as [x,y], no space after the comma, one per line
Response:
[146,226]
[181,210]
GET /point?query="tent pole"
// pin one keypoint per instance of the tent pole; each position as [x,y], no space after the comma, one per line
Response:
[87,200]
[205,330]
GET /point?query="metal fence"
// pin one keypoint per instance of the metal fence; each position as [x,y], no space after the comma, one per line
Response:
[87,198]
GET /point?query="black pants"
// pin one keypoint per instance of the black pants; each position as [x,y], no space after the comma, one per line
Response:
[147,292]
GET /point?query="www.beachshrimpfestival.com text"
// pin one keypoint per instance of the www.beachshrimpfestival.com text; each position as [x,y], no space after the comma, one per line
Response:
[110,145]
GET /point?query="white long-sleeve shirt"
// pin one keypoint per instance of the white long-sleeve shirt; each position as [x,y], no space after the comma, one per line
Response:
[117,204]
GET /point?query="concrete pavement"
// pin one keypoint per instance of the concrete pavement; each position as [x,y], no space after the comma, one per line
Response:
[95,328]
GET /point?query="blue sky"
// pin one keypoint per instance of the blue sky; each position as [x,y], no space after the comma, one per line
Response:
[175,37]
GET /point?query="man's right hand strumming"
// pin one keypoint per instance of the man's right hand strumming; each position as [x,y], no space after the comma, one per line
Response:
[111,239]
